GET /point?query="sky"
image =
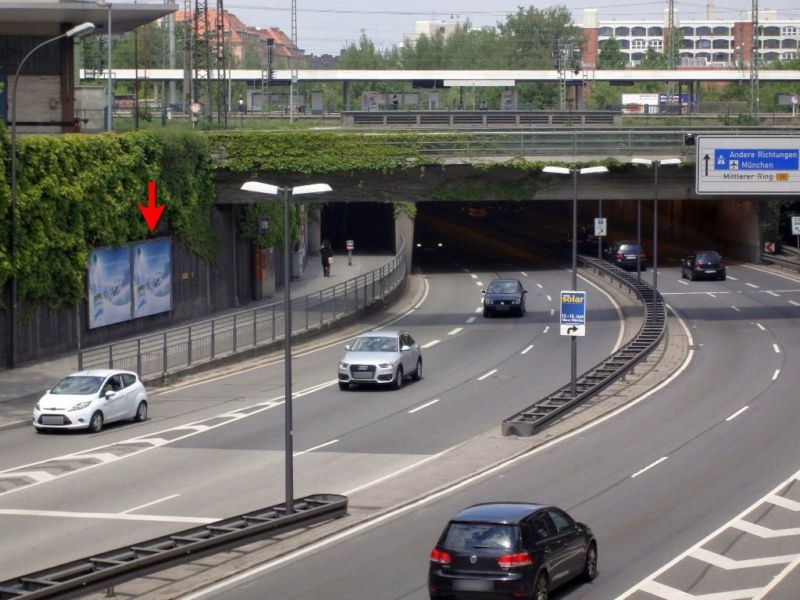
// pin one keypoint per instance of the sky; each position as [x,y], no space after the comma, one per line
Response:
[327,27]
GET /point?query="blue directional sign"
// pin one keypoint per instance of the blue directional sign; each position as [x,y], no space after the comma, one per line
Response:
[573,313]
[749,165]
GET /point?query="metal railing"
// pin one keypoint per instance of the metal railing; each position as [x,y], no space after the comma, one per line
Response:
[180,348]
[530,420]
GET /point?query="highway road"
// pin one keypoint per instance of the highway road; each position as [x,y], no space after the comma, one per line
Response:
[215,448]
[692,491]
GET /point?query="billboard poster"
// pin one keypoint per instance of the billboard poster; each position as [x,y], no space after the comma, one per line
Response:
[152,278]
[109,282]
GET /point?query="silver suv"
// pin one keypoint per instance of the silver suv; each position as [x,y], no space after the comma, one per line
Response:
[382,358]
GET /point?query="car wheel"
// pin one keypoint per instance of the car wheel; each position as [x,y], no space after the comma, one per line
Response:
[723,276]
[141,412]
[691,276]
[590,564]
[418,371]
[344,386]
[96,422]
[683,273]
[541,589]
[41,430]
[486,313]
[398,378]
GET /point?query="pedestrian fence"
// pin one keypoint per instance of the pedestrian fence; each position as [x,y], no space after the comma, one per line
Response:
[181,348]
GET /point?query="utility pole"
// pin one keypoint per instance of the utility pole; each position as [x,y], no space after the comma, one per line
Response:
[293,62]
[671,51]
[755,56]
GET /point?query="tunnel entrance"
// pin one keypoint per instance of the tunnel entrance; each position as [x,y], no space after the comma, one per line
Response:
[369,224]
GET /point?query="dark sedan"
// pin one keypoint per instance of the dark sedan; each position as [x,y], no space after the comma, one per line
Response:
[703,264]
[510,549]
[626,254]
[504,296]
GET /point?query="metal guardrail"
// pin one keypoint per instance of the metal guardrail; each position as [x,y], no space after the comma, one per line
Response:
[79,577]
[790,259]
[181,348]
[542,412]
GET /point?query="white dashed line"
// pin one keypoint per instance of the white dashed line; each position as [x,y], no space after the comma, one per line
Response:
[315,448]
[430,344]
[539,285]
[752,285]
[776,348]
[683,282]
[552,312]
[650,466]
[473,275]
[792,302]
[761,327]
[775,374]
[549,298]
[546,329]
[479,283]
[736,309]
[421,406]
[737,413]
[771,293]
[733,278]
[479,309]
[524,274]
[489,374]
[528,349]
[471,320]
[455,331]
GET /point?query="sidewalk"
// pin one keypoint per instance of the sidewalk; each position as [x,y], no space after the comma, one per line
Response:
[20,388]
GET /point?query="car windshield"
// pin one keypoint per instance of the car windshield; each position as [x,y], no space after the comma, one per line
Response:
[78,384]
[503,287]
[470,536]
[375,344]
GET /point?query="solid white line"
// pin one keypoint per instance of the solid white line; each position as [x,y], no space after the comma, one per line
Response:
[771,293]
[315,448]
[773,273]
[752,285]
[455,331]
[524,274]
[777,579]
[736,309]
[776,348]
[794,303]
[528,349]
[489,374]
[761,327]
[473,275]
[426,405]
[648,467]
[60,514]
[141,506]
[471,320]
[549,298]
[546,329]
[430,344]
[737,413]
[775,374]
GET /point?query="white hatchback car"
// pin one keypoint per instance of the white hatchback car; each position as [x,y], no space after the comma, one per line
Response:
[88,399]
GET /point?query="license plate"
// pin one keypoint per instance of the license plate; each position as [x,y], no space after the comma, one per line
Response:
[52,420]
[472,585]
[711,270]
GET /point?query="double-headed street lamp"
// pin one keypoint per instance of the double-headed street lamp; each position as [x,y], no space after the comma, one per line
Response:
[75,32]
[655,164]
[574,173]
[287,193]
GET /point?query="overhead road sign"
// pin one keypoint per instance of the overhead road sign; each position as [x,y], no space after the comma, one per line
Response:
[751,165]
[573,313]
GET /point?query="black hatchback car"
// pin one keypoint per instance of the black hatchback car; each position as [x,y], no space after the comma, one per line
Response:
[703,264]
[510,549]
[624,255]
[504,296]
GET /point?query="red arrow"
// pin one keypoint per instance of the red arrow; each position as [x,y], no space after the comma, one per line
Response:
[151,212]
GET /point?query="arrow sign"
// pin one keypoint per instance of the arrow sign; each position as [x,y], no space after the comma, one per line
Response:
[151,212]
[706,158]
[571,330]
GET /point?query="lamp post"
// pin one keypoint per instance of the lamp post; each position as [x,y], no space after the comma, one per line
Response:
[655,164]
[286,193]
[109,93]
[574,173]
[75,32]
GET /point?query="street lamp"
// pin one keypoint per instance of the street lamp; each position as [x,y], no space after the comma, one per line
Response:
[655,164]
[75,32]
[574,173]
[108,33]
[287,193]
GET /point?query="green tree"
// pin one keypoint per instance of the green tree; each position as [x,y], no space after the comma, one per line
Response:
[529,37]
[611,57]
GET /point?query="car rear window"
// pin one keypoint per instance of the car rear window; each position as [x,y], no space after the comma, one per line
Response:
[708,256]
[82,384]
[472,536]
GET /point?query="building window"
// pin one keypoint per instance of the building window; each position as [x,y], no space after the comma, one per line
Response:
[718,44]
[624,44]
[790,30]
[772,30]
[788,55]
[687,44]
[656,44]
[638,44]
[622,31]
[637,57]
[771,44]
[606,32]
[722,30]
[655,31]
[703,30]
[687,30]
[638,31]
[703,44]
[770,56]
[789,44]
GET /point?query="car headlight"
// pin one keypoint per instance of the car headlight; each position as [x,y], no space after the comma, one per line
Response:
[385,365]
[37,407]
[343,365]
[81,405]
[516,301]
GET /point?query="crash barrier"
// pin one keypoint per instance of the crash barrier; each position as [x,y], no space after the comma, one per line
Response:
[788,259]
[528,421]
[483,118]
[181,348]
[103,571]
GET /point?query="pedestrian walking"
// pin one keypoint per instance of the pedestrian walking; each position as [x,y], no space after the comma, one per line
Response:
[326,254]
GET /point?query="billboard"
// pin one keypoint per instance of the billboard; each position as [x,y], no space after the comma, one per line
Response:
[152,278]
[109,282]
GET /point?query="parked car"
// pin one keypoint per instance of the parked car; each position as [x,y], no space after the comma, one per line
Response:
[380,357]
[89,399]
[504,296]
[703,264]
[512,549]
[623,254]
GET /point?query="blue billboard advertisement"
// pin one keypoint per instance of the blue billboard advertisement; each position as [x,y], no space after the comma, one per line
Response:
[109,284]
[152,278]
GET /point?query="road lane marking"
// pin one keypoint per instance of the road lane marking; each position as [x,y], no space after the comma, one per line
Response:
[736,309]
[552,312]
[60,514]
[479,283]
[752,285]
[712,294]
[776,348]
[737,413]
[650,466]
[426,405]
[549,298]
[775,374]
[479,309]
[528,349]
[301,452]
[546,329]
[455,331]
[794,303]
[141,506]
[761,327]
[524,274]
[473,275]
[539,285]
[771,293]
[471,320]
[733,278]
[489,374]
[430,344]
[683,282]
